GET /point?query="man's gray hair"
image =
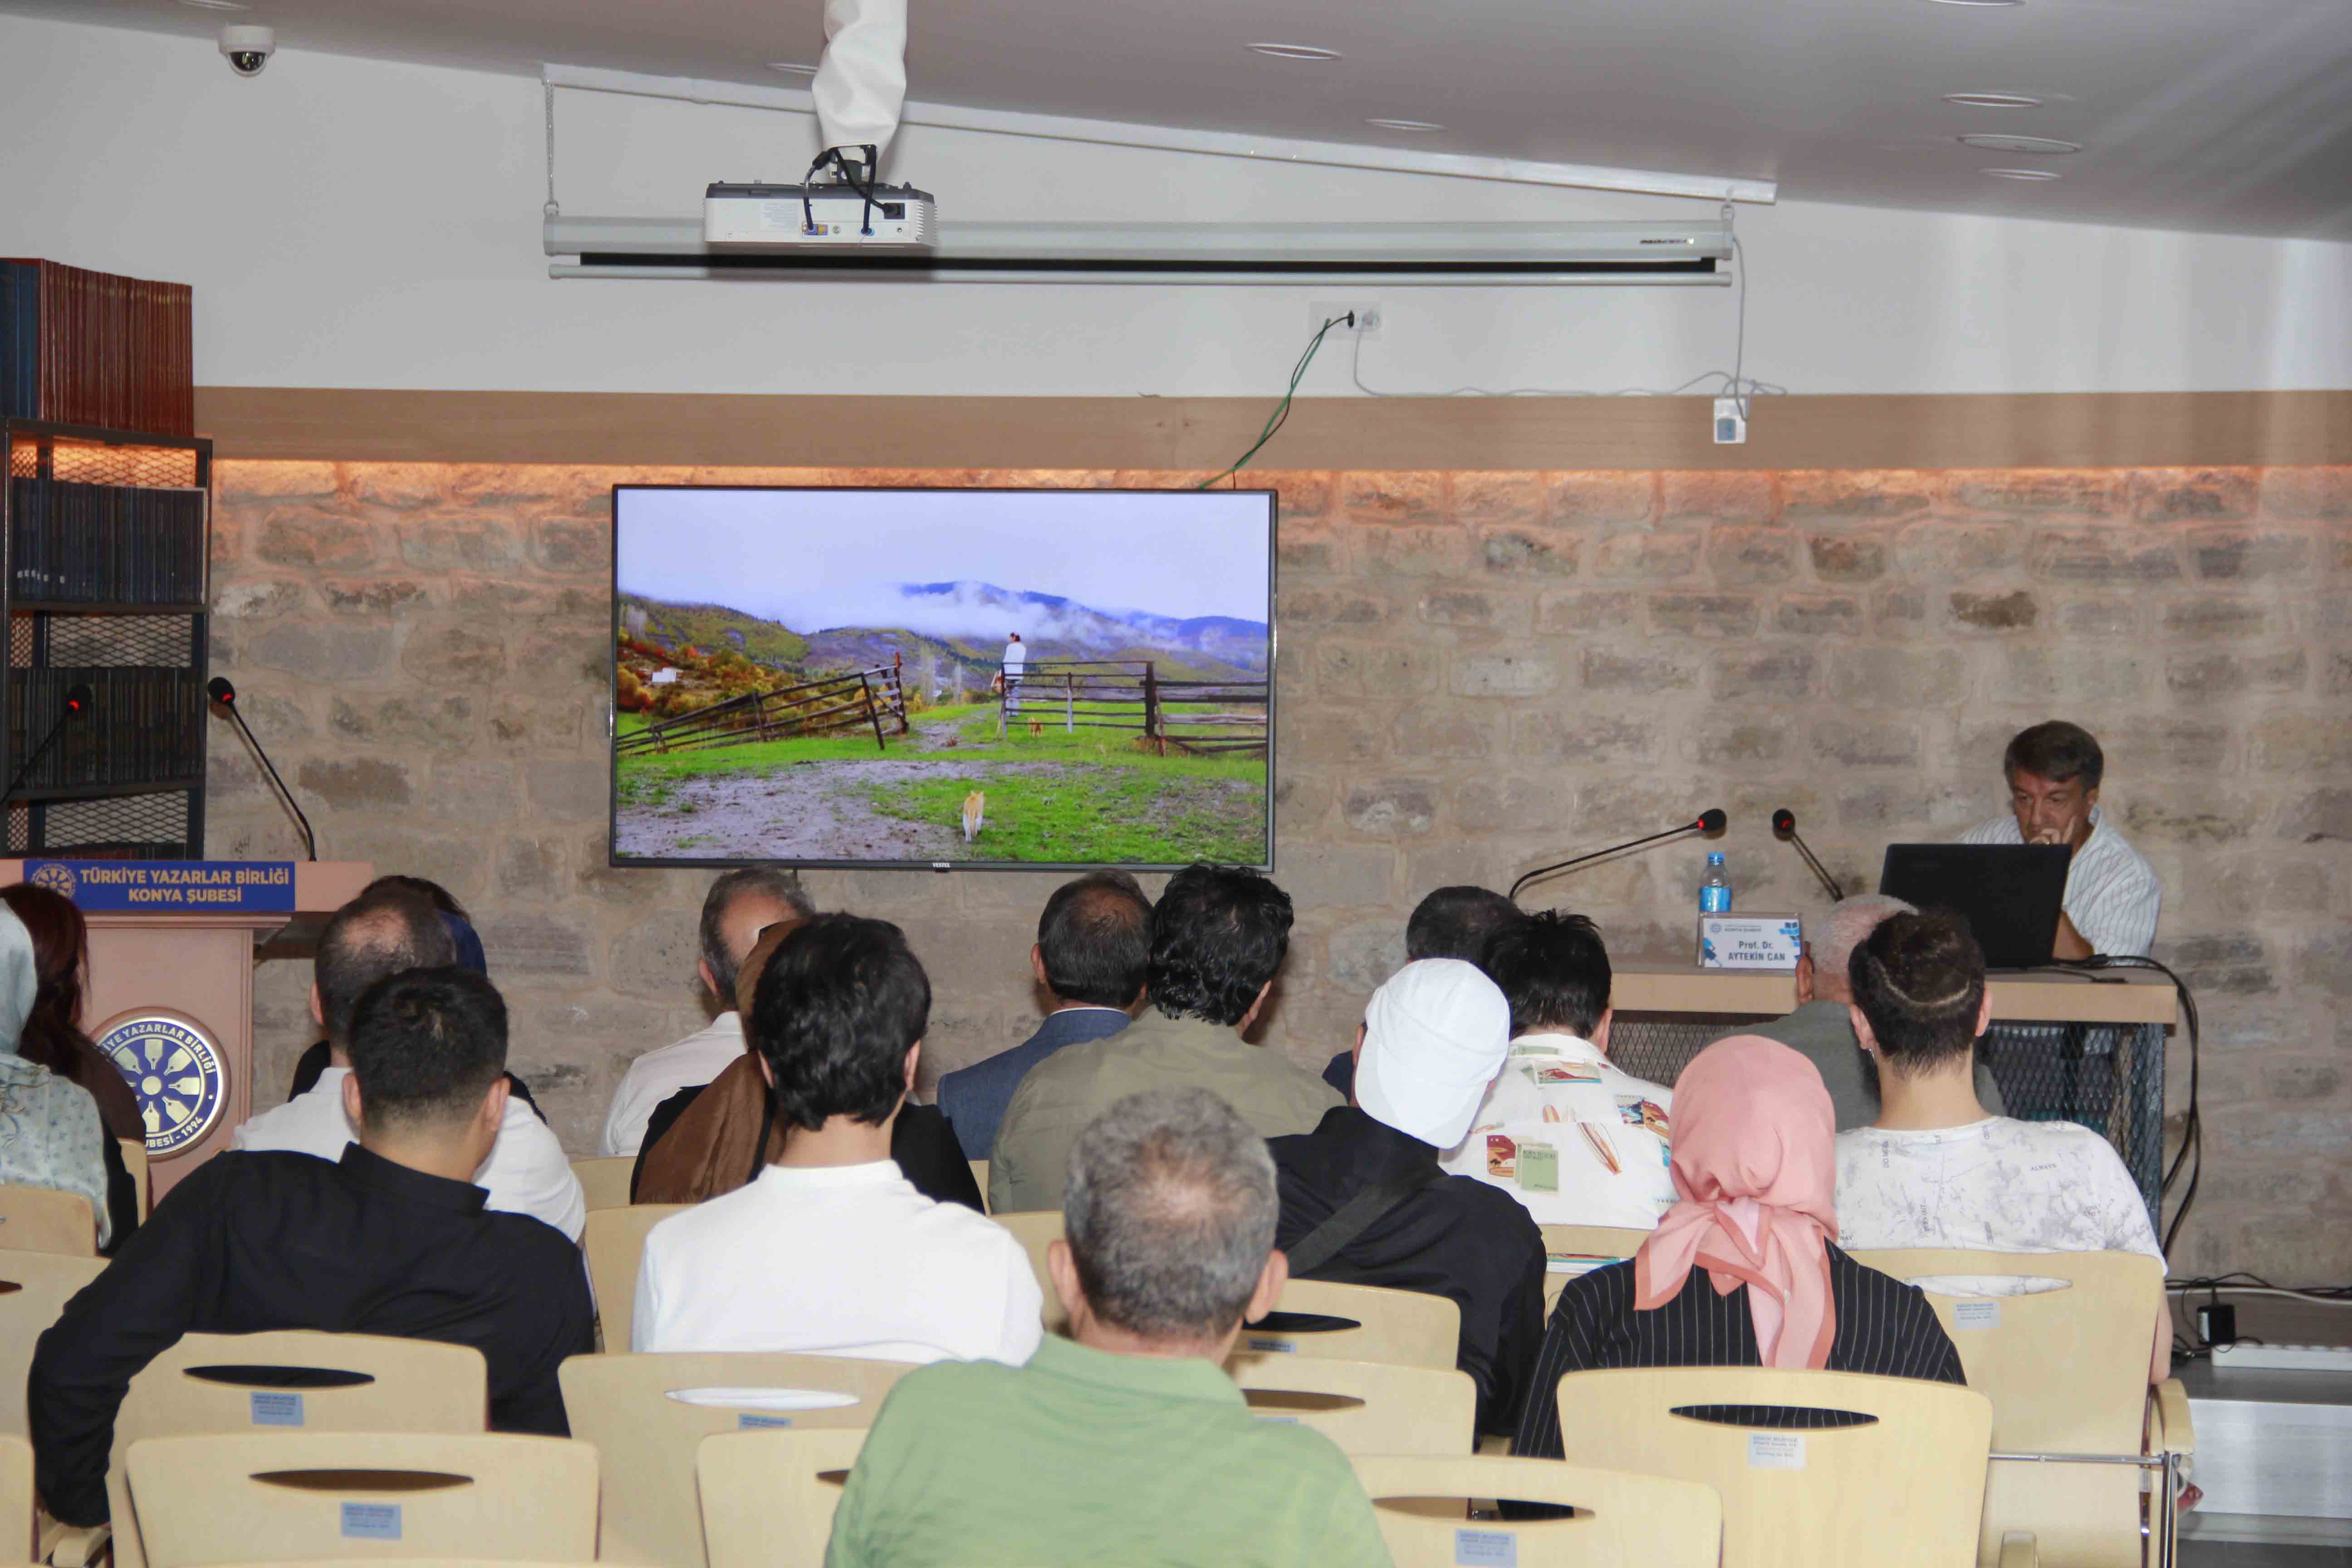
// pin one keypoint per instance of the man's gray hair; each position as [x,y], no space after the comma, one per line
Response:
[750,881]
[1846,926]
[1170,1213]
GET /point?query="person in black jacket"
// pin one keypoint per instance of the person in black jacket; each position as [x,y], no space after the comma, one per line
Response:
[393,1239]
[1363,1201]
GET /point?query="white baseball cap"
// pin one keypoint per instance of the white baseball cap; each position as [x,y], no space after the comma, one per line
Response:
[1434,1037]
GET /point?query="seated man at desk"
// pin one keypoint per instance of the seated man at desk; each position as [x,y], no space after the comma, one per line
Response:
[2054,771]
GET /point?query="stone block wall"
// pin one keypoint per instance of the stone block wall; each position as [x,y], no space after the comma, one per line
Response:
[1478,672]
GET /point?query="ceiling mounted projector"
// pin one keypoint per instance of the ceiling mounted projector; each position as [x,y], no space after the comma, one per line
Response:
[822,214]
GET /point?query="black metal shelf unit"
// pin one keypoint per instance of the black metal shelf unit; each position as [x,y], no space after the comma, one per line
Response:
[105,551]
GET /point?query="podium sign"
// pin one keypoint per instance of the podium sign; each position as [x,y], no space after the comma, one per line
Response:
[159,887]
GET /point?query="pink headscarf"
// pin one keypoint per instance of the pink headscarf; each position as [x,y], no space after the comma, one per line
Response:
[1755,1161]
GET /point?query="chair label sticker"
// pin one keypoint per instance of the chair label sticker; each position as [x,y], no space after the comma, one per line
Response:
[1485,1549]
[1976,1314]
[276,1409]
[1776,1451]
[751,1421]
[1281,1347]
[371,1522]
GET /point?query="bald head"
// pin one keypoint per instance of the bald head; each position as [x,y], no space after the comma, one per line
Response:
[1846,926]
[378,934]
[739,907]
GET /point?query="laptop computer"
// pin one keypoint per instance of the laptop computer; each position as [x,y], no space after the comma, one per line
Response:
[2009,893]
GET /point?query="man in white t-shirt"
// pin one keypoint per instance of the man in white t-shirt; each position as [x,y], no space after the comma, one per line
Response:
[738,908]
[1935,1169]
[1562,1129]
[832,1251]
[2111,894]
[1017,660]
[379,934]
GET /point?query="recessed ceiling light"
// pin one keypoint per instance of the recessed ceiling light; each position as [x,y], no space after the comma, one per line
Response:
[1406,124]
[216,5]
[1992,142]
[1992,100]
[791,68]
[1295,51]
[2022,174]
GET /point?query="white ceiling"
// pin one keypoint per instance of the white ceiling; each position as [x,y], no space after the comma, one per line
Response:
[2223,115]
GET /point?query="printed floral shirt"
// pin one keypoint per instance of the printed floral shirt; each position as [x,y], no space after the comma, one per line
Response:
[1571,1137]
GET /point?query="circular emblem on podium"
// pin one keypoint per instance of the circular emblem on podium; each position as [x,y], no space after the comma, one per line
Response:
[58,880]
[175,1069]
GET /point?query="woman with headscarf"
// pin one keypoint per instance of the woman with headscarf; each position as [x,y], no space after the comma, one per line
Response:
[1745,1270]
[50,1131]
[53,1035]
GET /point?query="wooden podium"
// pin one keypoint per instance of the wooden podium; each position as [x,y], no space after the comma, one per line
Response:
[196,968]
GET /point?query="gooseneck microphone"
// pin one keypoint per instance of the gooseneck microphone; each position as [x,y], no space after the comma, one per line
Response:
[221,691]
[78,696]
[1784,825]
[1711,820]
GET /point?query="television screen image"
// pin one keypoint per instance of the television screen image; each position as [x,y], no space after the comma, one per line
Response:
[925,676]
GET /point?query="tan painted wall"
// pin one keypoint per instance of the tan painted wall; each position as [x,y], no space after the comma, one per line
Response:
[1479,671]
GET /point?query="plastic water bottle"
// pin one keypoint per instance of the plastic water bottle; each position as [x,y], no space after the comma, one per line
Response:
[1715,890]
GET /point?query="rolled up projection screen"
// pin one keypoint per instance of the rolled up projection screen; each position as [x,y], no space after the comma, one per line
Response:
[861,84]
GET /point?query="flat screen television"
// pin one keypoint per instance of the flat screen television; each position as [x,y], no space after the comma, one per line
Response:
[970,677]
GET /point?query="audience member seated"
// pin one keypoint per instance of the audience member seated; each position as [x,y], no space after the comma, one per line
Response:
[52,1038]
[1451,923]
[1936,1169]
[1127,1442]
[376,934]
[832,1251]
[1363,1200]
[711,1140]
[738,908]
[1094,942]
[1562,1130]
[1822,1028]
[1218,937]
[51,1135]
[1744,1271]
[391,1239]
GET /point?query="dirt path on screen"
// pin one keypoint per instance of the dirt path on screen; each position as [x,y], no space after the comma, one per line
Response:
[810,811]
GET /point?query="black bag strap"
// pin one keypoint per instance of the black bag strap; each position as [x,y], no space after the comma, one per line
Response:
[1355,1216]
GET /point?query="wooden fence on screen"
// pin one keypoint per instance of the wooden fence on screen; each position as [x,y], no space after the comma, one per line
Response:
[864,700]
[1186,715]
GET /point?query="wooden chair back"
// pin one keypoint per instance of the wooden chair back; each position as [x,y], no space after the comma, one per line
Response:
[1366,1407]
[614,1241]
[1639,1522]
[18,1539]
[42,1219]
[604,1180]
[1566,1247]
[134,1159]
[1358,1323]
[1903,1489]
[980,1175]
[645,1415]
[1035,1230]
[211,1499]
[2066,1376]
[290,1380]
[768,1497]
[34,1289]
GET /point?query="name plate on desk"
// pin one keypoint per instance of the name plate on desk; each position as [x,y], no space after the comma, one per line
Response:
[165,887]
[1749,942]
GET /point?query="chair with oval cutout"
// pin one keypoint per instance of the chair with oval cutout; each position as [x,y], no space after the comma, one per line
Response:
[646,1413]
[614,1242]
[1366,1407]
[34,1289]
[134,1159]
[604,1180]
[285,1380]
[1883,1470]
[16,1538]
[1620,1519]
[2039,1334]
[1035,1230]
[1574,1250]
[218,1498]
[42,1219]
[980,1176]
[768,1497]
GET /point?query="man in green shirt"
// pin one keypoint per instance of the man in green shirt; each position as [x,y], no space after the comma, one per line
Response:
[1130,1444]
[1219,936]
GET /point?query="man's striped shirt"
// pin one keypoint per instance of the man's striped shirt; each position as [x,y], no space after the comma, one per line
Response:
[2112,892]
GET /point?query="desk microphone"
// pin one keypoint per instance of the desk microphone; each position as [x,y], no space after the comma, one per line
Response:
[221,691]
[1711,820]
[78,696]
[1784,825]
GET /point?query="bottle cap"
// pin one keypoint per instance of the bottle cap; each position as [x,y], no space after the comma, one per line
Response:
[1714,857]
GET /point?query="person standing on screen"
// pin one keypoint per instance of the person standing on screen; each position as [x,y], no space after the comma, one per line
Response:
[2111,894]
[1016,660]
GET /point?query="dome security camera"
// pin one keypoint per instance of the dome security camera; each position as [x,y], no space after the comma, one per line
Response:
[247,48]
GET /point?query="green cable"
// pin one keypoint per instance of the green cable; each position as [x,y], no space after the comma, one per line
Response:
[1282,410]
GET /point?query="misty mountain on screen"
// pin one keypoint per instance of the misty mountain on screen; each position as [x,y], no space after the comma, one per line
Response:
[979,614]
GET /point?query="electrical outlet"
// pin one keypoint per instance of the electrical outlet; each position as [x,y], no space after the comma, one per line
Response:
[1367,312]
[1731,424]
